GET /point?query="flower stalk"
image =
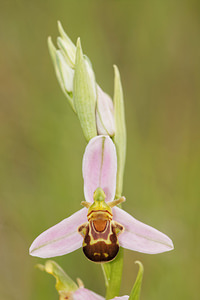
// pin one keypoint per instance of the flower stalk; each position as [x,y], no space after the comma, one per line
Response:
[115,268]
[113,275]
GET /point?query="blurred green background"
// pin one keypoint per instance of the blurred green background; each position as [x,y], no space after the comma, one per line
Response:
[156,47]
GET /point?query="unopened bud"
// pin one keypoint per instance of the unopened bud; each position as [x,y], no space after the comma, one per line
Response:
[104,114]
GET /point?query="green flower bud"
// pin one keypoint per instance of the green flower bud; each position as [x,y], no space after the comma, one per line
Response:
[67,46]
[64,73]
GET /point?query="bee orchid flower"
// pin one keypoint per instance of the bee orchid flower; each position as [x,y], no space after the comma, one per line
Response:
[100,227]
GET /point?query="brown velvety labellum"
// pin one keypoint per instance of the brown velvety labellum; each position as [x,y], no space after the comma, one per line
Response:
[100,241]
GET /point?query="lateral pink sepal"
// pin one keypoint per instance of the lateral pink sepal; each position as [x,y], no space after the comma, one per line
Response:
[139,236]
[60,239]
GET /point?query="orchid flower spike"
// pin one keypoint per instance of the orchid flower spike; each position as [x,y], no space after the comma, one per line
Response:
[100,227]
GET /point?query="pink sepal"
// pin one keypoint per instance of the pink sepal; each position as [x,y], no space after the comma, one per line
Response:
[60,239]
[104,113]
[100,167]
[139,236]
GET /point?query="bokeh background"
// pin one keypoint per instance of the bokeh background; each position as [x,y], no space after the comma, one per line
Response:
[156,47]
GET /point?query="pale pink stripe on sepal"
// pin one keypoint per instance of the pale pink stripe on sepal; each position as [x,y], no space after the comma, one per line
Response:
[100,167]
[85,294]
[104,113]
[60,239]
[139,236]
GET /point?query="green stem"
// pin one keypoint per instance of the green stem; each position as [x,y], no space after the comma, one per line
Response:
[113,270]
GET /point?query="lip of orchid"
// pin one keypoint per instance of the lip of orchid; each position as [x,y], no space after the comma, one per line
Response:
[99,171]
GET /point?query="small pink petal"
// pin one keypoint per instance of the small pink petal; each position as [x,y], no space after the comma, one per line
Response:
[60,239]
[139,236]
[100,167]
[85,294]
[104,113]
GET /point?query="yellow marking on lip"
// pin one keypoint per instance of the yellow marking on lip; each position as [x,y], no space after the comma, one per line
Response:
[99,211]
[96,253]
[92,242]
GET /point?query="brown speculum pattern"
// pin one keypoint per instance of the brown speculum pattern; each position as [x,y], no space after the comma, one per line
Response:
[100,233]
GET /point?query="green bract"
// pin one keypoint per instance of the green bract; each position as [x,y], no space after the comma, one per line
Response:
[64,284]
[64,73]
[66,45]
[135,293]
[85,94]
[120,131]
